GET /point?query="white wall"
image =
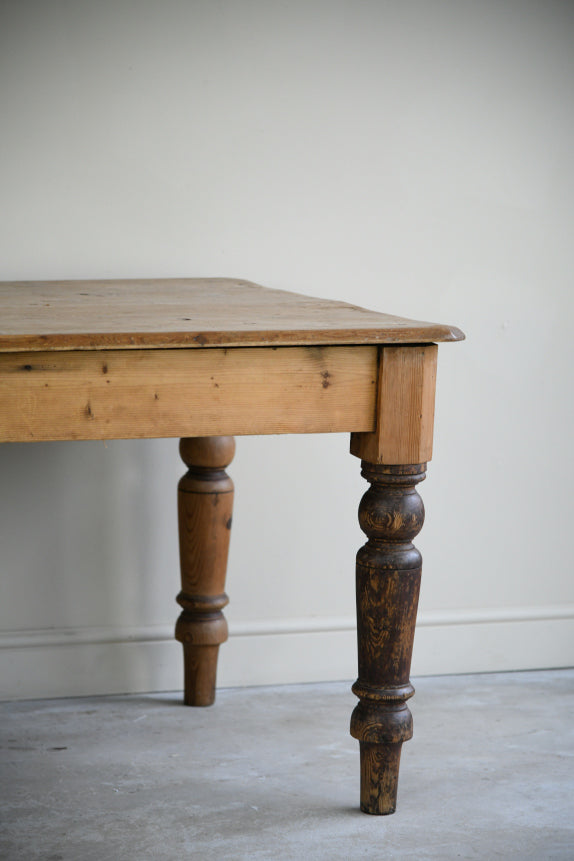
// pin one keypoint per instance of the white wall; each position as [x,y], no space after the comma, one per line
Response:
[412,157]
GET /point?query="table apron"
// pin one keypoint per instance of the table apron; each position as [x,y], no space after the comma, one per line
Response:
[123,394]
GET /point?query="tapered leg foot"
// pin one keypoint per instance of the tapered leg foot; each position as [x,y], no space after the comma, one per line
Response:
[205,507]
[200,673]
[379,777]
[388,581]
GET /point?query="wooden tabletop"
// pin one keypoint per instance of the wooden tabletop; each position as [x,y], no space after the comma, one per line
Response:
[189,312]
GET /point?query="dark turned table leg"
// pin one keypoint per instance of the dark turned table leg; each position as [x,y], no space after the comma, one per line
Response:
[391,513]
[205,506]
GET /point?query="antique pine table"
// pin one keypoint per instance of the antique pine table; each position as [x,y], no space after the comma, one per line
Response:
[207,359]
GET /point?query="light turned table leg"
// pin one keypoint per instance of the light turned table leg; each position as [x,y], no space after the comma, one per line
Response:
[388,570]
[205,507]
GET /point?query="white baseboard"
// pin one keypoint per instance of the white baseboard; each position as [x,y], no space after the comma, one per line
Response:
[85,661]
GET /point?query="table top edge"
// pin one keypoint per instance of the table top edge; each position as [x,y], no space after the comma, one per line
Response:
[294,320]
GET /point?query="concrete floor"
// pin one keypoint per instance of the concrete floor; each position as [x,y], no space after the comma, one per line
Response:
[271,773]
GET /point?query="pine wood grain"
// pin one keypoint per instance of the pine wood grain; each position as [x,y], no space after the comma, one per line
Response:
[205,510]
[198,358]
[388,575]
[121,394]
[404,432]
[207,312]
